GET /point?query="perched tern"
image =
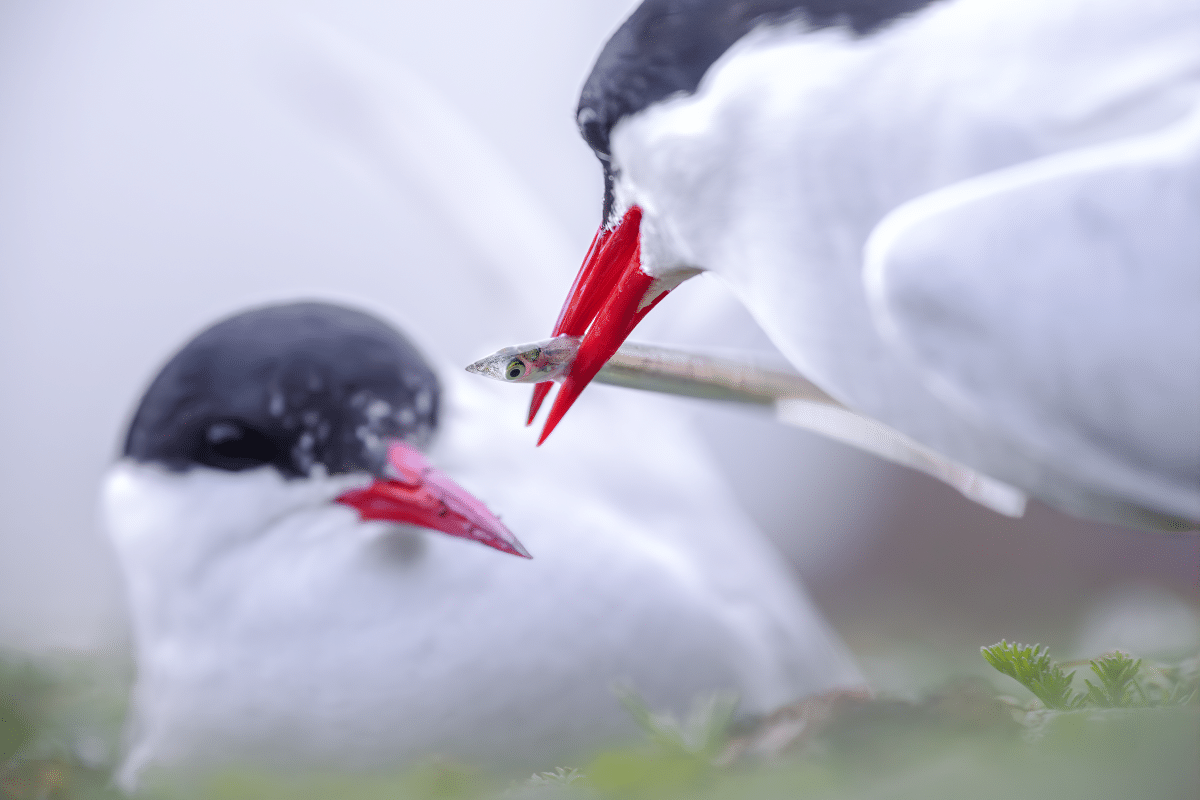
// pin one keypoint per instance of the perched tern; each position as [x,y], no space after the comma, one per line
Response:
[295,603]
[971,220]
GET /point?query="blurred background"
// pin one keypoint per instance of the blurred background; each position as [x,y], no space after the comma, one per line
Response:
[164,165]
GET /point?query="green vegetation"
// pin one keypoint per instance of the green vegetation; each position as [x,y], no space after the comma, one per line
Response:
[1122,682]
[1033,669]
[59,728]
[1115,726]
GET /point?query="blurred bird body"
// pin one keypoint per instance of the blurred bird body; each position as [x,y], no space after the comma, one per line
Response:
[971,220]
[275,628]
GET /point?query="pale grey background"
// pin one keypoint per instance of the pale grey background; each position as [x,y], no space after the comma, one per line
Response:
[161,167]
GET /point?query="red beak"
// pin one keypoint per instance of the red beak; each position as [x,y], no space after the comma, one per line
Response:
[611,294]
[424,496]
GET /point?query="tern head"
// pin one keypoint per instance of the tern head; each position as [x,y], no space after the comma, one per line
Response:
[310,393]
[662,51]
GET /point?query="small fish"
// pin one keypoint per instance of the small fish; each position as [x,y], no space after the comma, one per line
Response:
[547,360]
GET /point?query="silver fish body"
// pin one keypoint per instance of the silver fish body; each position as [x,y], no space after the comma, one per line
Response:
[794,399]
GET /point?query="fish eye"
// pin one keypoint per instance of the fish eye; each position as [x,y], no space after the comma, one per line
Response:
[515,369]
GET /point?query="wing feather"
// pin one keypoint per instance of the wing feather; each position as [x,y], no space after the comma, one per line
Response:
[1058,302]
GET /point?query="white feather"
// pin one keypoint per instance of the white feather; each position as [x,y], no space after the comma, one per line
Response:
[1056,301]
[274,628]
[799,143]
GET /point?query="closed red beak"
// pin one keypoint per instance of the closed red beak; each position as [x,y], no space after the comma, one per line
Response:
[610,296]
[424,496]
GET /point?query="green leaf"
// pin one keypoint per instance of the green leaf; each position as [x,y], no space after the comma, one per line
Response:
[1031,666]
[702,735]
[1118,687]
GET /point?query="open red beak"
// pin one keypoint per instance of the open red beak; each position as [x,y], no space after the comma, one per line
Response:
[424,496]
[610,296]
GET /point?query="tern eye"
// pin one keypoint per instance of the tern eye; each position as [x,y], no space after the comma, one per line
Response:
[233,447]
[515,369]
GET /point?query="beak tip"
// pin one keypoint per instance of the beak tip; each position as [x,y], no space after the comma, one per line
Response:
[540,390]
[505,541]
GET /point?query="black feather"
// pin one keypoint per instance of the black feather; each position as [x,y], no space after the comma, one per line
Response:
[291,386]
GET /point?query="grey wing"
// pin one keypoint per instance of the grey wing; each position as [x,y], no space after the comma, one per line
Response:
[1057,303]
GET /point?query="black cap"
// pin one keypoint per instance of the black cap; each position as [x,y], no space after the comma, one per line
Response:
[666,46]
[292,386]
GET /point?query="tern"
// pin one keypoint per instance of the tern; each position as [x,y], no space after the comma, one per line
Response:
[296,602]
[971,220]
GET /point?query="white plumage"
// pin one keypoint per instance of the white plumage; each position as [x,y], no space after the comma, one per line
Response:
[274,628]
[977,225]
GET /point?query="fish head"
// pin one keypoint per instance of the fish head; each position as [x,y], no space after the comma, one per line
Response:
[546,360]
